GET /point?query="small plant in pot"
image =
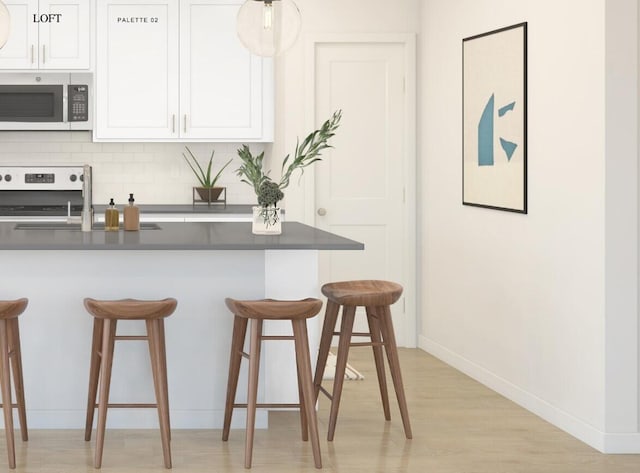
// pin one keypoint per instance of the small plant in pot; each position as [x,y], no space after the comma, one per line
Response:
[207,190]
[269,192]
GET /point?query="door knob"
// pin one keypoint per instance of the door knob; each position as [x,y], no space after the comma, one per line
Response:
[322,212]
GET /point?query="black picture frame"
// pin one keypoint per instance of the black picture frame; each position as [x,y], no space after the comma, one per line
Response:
[494,119]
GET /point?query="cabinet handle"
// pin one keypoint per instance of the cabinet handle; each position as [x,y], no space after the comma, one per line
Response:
[32,57]
[44,56]
[173,123]
[185,122]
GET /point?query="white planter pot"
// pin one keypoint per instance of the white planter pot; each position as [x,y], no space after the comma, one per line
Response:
[266,221]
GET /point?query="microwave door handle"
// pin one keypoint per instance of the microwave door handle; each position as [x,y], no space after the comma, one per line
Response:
[44,56]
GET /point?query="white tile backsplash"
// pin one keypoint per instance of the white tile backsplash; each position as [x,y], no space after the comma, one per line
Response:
[155,172]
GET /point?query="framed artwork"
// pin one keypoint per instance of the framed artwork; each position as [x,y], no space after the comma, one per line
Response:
[494,117]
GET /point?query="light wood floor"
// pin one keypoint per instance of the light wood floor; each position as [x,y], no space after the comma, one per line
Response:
[458,426]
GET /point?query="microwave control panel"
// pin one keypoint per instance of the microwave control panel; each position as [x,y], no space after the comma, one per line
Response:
[78,103]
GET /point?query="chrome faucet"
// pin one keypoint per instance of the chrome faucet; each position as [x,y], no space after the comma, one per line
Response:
[87,203]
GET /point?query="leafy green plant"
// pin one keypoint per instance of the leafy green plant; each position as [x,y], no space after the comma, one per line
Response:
[308,152]
[203,175]
[251,168]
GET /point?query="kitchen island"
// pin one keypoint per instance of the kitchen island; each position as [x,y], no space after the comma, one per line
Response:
[197,263]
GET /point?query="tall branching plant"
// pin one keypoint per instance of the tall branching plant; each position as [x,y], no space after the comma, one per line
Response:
[308,152]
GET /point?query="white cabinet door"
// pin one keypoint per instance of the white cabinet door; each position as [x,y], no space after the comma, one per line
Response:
[21,50]
[65,36]
[137,69]
[50,34]
[221,82]
[160,80]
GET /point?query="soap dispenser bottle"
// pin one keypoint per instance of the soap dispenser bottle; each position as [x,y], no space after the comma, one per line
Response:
[131,216]
[111,218]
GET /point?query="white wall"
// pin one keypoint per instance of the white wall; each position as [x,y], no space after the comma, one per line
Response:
[521,302]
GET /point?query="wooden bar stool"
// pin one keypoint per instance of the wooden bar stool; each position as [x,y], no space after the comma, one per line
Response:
[257,312]
[106,315]
[10,350]
[376,297]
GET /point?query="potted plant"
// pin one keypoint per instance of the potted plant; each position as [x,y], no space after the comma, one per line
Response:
[269,193]
[207,190]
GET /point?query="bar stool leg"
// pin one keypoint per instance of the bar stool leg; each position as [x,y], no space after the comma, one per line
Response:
[108,342]
[328,327]
[237,344]
[386,324]
[94,375]
[155,351]
[16,366]
[252,393]
[304,372]
[163,363]
[378,356]
[304,424]
[5,379]
[346,329]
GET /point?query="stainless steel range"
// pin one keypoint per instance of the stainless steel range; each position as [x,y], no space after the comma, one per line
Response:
[41,193]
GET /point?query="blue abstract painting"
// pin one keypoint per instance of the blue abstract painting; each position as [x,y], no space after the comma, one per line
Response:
[494,119]
[486,135]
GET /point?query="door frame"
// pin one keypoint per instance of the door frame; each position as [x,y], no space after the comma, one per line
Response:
[408,335]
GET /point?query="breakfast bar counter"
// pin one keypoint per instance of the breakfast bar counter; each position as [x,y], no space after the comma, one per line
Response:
[169,236]
[197,263]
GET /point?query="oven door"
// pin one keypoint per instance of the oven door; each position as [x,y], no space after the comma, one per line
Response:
[32,107]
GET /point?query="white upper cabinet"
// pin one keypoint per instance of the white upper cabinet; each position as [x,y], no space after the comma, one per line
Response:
[65,43]
[137,70]
[48,34]
[221,82]
[21,49]
[175,70]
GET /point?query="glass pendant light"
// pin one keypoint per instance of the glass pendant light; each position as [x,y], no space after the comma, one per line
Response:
[5,24]
[268,27]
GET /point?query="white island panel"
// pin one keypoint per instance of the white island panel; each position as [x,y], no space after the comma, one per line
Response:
[56,329]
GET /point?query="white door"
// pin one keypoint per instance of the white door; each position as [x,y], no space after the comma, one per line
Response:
[221,82]
[137,69]
[65,40]
[362,183]
[21,50]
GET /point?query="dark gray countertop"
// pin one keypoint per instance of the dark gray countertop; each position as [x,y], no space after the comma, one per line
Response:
[176,236]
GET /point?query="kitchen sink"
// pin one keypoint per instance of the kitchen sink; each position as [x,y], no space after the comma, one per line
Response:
[74,226]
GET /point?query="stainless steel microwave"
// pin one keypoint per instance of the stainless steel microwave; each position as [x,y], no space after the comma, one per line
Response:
[46,101]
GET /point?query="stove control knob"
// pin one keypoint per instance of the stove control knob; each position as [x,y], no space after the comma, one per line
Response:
[0,177]
[81,177]
[7,177]
[73,178]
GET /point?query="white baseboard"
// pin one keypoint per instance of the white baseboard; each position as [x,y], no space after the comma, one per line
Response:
[601,441]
